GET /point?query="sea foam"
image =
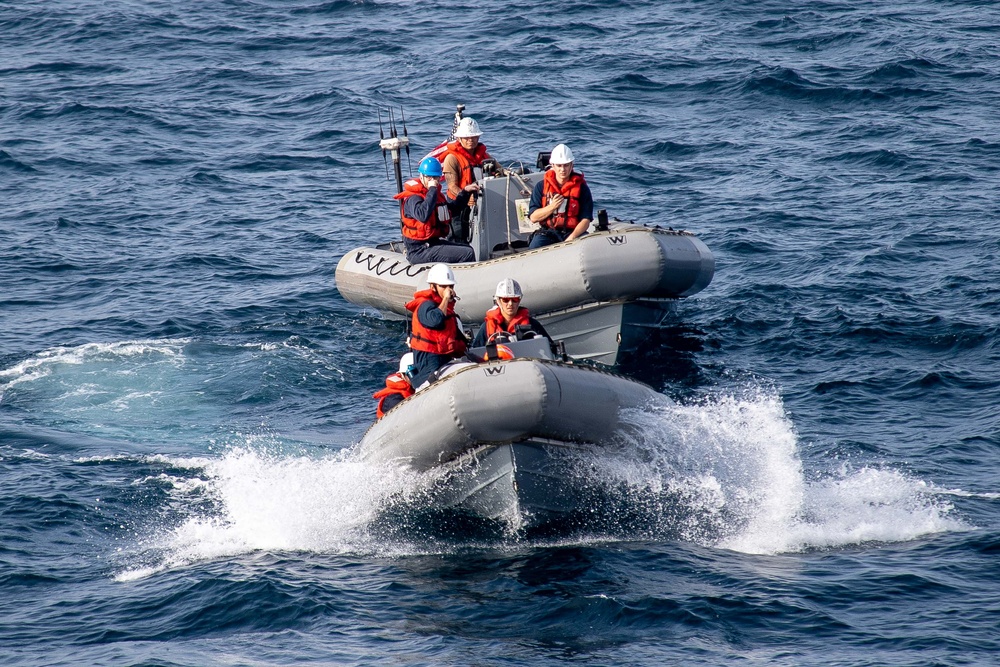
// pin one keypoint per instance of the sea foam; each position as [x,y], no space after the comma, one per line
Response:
[733,465]
[724,472]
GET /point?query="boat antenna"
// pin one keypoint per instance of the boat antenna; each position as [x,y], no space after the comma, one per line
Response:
[381,141]
[393,144]
[459,108]
[406,136]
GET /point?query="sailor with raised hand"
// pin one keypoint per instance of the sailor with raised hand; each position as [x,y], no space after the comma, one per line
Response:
[426,215]
[507,315]
[561,202]
[436,335]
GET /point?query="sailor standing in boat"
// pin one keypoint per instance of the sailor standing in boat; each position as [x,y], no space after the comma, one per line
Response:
[426,215]
[462,162]
[436,335]
[507,316]
[561,202]
[463,157]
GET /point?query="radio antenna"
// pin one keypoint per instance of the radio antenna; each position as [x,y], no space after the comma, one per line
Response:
[406,136]
[381,140]
[459,108]
[394,144]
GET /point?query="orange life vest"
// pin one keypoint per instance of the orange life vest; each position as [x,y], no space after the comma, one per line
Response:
[571,191]
[494,321]
[438,224]
[467,161]
[446,340]
[394,384]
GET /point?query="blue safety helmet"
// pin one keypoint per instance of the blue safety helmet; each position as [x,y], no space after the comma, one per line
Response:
[430,166]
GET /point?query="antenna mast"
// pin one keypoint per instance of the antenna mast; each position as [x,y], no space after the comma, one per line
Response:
[394,144]
[459,108]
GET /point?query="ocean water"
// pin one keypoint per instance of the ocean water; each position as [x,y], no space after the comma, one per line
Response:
[181,384]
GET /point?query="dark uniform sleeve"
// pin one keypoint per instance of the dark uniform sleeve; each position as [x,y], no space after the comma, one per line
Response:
[420,208]
[391,401]
[586,203]
[430,315]
[536,198]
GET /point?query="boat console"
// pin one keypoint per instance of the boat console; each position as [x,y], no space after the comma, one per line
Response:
[535,347]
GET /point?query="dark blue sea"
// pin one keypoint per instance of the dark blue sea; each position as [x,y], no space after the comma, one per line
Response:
[182,385]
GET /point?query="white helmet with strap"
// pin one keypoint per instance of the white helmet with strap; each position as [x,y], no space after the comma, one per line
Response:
[440,274]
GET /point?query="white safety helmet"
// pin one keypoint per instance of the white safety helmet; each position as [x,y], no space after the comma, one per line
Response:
[405,362]
[508,288]
[467,127]
[561,154]
[440,274]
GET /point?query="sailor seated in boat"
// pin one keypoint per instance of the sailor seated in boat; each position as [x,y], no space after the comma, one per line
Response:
[397,387]
[561,202]
[427,213]
[436,335]
[508,318]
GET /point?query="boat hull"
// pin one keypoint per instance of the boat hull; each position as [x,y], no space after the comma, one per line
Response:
[601,332]
[596,291]
[502,433]
[521,485]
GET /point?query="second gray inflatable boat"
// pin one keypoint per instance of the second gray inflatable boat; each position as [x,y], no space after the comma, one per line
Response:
[504,432]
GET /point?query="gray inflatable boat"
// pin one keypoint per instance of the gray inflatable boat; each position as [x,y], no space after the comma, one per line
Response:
[598,294]
[504,433]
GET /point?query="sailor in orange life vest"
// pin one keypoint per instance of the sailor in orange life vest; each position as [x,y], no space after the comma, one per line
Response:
[426,215]
[463,157]
[561,202]
[436,335]
[397,387]
[462,162]
[507,315]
